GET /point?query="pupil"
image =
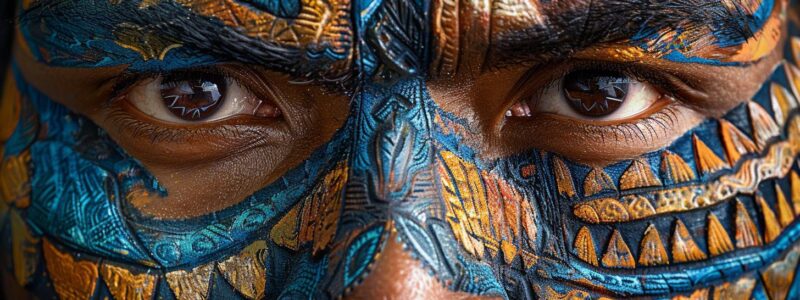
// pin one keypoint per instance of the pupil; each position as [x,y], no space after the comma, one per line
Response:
[595,94]
[193,99]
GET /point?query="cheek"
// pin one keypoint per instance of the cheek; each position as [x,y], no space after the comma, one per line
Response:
[212,186]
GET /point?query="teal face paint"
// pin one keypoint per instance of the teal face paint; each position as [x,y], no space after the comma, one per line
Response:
[711,212]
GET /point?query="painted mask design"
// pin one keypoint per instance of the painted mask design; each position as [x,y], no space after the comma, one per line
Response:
[250,149]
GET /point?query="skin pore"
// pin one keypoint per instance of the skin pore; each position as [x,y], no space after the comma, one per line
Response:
[698,93]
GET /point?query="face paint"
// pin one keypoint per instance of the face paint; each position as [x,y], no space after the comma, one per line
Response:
[710,213]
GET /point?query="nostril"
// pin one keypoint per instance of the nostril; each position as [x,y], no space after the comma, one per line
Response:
[396,275]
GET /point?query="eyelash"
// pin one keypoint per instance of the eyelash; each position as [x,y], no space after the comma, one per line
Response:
[129,79]
[163,132]
[628,130]
[525,90]
[664,119]
[642,128]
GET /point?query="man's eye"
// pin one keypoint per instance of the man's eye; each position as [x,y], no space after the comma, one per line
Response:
[197,97]
[592,96]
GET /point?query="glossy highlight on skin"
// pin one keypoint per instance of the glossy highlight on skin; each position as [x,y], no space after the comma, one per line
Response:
[364,149]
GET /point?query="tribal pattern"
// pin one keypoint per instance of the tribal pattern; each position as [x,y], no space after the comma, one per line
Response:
[712,215]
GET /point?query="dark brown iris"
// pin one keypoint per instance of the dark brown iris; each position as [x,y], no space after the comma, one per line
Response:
[595,93]
[193,98]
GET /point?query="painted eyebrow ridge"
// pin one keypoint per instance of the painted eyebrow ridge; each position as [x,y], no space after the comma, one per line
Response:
[570,26]
[56,24]
[595,22]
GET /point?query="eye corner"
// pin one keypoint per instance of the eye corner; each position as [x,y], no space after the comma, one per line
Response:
[186,97]
[589,95]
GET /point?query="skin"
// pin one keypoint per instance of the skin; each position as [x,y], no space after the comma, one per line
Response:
[240,167]
[709,91]
[478,64]
[483,104]
[398,275]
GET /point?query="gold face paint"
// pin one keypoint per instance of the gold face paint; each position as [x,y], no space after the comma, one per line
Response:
[242,149]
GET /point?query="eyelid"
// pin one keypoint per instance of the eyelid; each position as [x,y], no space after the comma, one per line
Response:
[247,79]
[534,82]
[644,114]
[246,75]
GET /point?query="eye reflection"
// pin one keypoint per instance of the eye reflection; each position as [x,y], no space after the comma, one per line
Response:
[197,97]
[595,94]
[194,99]
[592,96]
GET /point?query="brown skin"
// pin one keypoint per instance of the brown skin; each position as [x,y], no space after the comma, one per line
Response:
[208,168]
[397,275]
[11,289]
[204,168]
[699,92]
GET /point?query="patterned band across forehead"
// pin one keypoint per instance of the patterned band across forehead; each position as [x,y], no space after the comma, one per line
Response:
[316,39]
[478,34]
[308,38]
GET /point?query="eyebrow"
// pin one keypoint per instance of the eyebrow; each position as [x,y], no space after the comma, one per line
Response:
[70,34]
[655,25]
[549,29]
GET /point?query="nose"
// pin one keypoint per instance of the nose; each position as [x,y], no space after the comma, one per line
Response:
[401,216]
[391,179]
[396,275]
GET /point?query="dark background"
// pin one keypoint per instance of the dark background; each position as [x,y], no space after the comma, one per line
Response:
[6,31]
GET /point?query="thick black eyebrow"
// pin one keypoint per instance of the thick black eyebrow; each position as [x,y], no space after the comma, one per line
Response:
[58,23]
[570,28]
[226,42]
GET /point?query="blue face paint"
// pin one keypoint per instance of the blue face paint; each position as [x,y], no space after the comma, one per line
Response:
[399,170]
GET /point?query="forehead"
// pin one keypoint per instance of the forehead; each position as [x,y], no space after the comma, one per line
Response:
[328,39]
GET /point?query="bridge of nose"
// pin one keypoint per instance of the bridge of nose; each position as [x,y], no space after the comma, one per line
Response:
[395,274]
[441,214]
[402,215]
[393,153]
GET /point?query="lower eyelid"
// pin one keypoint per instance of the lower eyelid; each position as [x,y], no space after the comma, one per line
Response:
[126,111]
[600,143]
[201,144]
[658,124]
[657,107]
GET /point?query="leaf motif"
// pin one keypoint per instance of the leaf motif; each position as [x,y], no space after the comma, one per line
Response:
[397,36]
[394,151]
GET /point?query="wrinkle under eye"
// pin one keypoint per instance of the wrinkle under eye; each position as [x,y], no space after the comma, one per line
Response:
[595,112]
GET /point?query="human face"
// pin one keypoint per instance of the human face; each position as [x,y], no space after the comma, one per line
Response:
[195,149]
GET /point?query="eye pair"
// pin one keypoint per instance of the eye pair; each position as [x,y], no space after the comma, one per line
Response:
[206,96]
[253,125]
